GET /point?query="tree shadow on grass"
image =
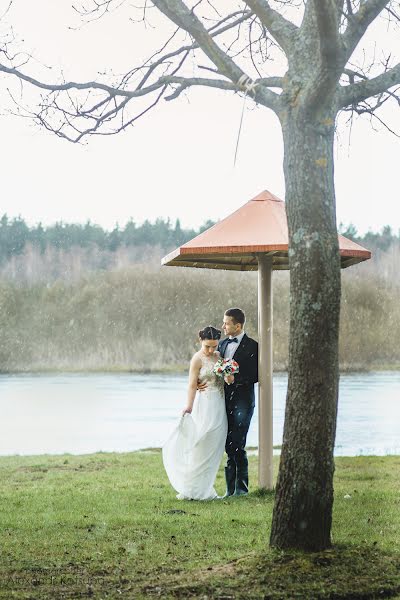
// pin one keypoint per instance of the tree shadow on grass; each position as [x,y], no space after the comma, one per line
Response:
[341,573]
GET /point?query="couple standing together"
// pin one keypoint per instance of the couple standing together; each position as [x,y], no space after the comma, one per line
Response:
[217,415]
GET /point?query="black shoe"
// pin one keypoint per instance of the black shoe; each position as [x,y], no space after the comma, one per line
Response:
[242,482]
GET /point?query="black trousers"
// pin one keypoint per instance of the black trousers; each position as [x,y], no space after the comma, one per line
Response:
[239,412]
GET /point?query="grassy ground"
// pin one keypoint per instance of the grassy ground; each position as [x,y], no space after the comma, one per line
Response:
[109,526]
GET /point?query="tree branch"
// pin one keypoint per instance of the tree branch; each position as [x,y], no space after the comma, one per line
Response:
[280,28]
[357,92]
[274,82]
[98,108]
[214,31]
[99,113]
[319,34]
[327,19]
[177,12]
[359,22]
[89,85]
[180,14]
[162,81]
[184,83]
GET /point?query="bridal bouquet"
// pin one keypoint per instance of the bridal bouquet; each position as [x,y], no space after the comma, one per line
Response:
[226,366]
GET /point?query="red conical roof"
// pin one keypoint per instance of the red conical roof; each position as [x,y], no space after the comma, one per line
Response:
[259,226]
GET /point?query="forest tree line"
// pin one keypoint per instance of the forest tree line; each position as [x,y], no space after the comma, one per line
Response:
[15,234]
[69,251]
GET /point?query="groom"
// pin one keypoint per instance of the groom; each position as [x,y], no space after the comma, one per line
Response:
[239,398]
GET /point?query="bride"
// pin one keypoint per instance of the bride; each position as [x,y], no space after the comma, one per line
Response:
[193,452]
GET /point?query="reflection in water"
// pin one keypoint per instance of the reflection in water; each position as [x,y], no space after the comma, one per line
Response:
[79,414]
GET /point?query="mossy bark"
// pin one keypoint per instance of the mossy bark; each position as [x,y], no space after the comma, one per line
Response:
[304,495]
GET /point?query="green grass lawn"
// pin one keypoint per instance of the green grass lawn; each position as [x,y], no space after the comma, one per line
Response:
[108,525]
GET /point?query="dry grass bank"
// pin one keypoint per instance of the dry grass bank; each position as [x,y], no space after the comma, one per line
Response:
[147,319]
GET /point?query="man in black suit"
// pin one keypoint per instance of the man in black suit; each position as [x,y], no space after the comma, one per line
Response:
[239,398]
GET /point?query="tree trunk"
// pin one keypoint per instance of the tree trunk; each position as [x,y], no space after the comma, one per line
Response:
[302,514]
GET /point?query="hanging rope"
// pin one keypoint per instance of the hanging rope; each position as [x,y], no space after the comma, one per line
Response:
[249,86]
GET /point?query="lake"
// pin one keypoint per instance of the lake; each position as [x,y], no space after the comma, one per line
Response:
[80,414]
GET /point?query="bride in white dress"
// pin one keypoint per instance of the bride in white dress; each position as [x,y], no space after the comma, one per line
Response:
[193,453]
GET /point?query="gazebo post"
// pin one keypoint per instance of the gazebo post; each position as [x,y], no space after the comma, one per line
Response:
[265,390]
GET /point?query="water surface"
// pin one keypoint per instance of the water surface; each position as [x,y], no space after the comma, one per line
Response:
[81,414]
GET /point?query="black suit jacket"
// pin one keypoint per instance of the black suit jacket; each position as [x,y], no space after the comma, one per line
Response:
[246,356]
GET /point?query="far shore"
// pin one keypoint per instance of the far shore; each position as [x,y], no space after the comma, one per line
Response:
[173,370]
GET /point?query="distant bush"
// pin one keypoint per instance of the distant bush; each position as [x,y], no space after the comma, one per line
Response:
[370,323]
[147,319]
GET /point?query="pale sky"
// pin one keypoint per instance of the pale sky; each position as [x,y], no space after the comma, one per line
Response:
[177,161]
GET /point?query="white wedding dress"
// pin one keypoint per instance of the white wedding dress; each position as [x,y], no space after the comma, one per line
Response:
[193,452]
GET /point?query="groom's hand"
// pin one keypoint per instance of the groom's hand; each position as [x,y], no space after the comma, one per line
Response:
[229,379]
[201,386]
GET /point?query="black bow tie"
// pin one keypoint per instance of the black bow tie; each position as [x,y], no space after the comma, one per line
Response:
[230,340]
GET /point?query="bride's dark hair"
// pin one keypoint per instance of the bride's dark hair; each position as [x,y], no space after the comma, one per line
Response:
[209,333]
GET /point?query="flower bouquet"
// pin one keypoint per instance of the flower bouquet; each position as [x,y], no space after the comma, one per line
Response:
[226,366]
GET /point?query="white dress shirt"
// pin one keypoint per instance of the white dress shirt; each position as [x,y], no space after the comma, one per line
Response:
[233,346]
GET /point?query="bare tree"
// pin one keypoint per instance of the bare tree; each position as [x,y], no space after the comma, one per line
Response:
[315,41]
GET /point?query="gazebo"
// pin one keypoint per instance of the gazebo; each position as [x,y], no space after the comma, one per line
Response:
[255,237]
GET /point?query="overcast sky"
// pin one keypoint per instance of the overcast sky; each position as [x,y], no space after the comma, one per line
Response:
[177,161]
